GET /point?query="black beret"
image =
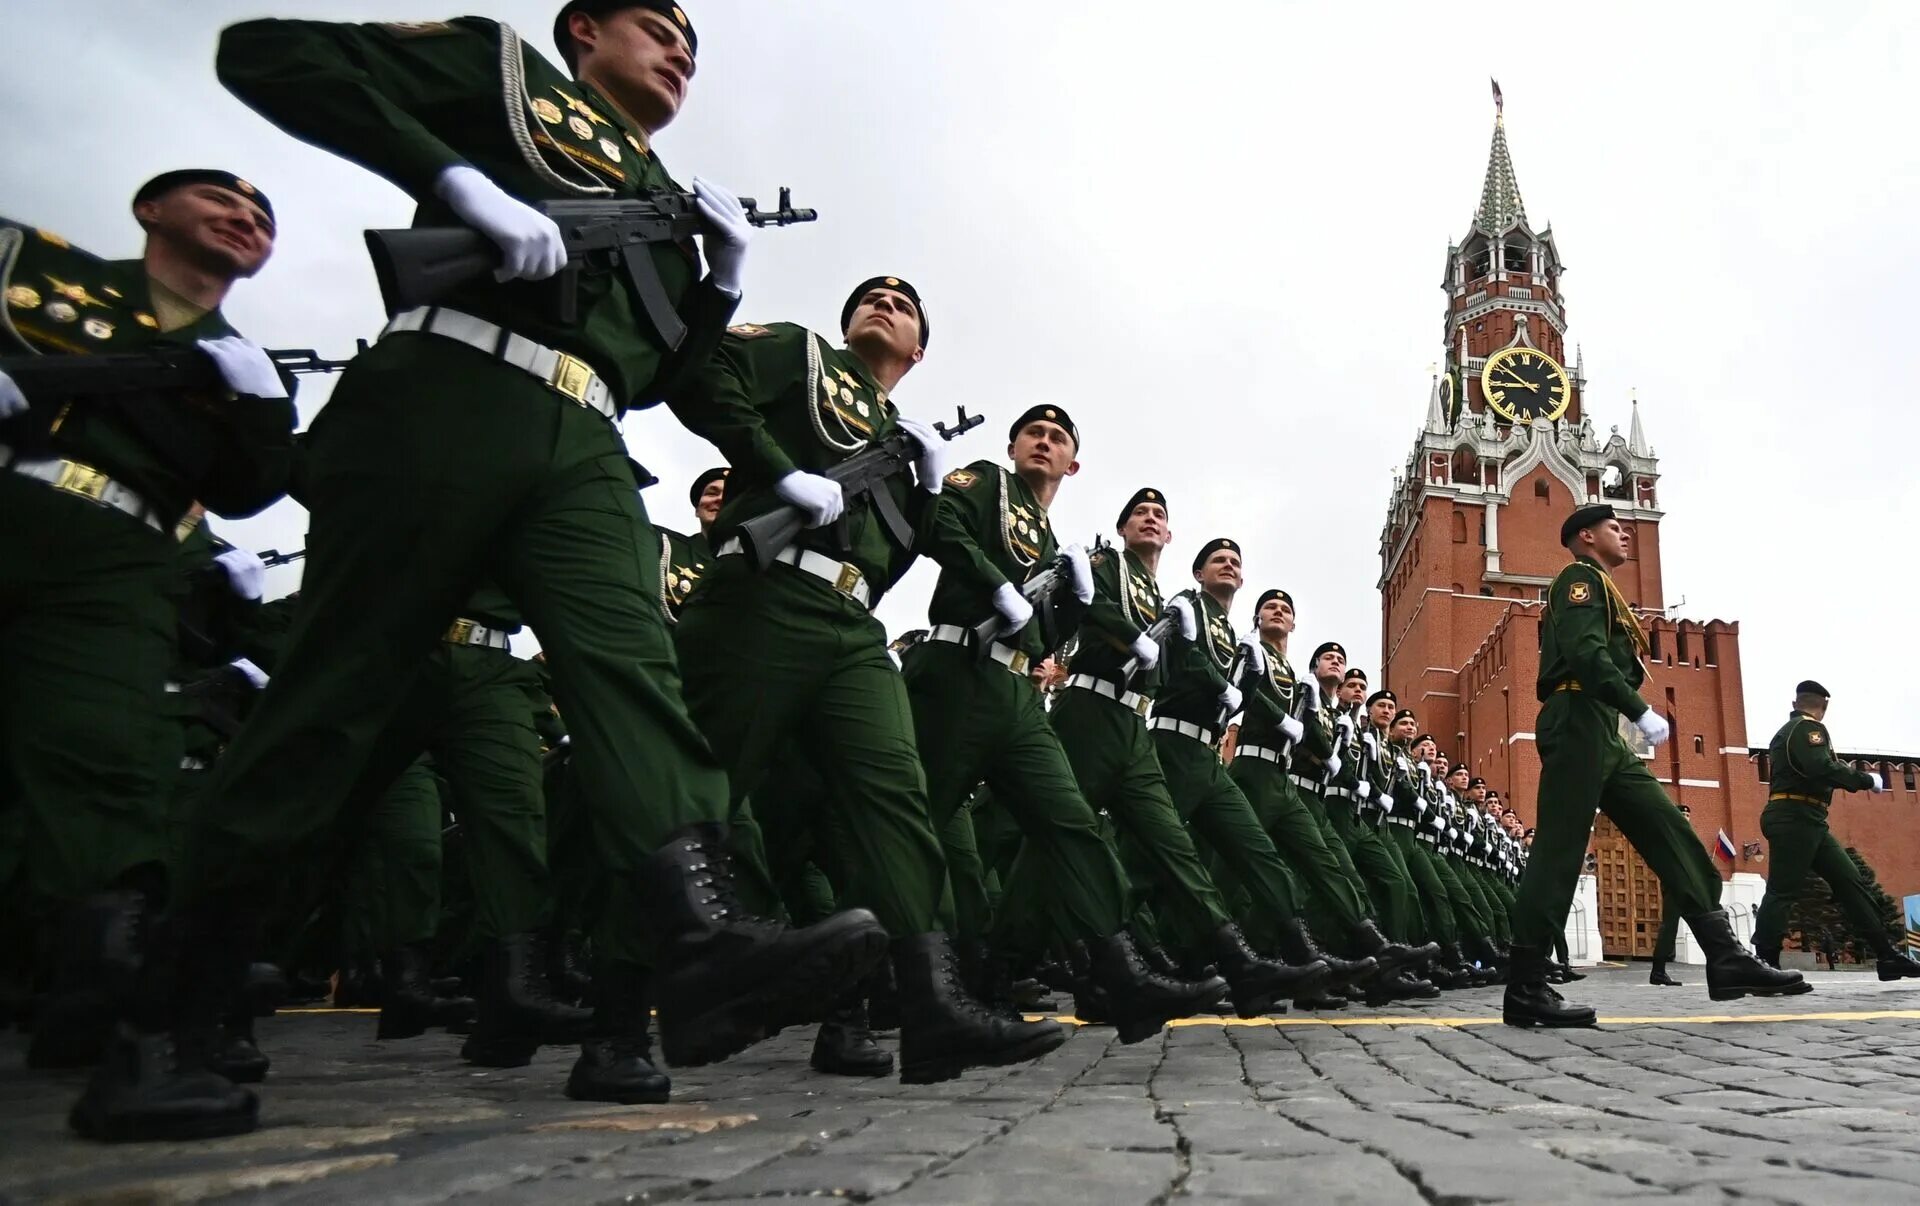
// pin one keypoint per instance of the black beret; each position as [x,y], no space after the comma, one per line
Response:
[1327,647]
[166,182]
[1427,737]
[1402,714]
[1810,687]
[1354,672]
[1472,783]
[1052,414]
[1277,593]
[1381,694]
[1145,494]
[563,41]
[1583,519]
[1210,548]
[894,283]
[701,483]
[1457,768]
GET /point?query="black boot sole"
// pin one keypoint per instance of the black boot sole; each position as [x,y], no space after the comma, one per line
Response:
[947,1067]
[832,1067]
[163,1129]
[396,1024]
[1734,994]
[1529,1022]
[579,1090]
[808,986]
[498,1051]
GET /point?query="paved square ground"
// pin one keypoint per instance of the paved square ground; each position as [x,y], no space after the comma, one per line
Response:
[1812,1099]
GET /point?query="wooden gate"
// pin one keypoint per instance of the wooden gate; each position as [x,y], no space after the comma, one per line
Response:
[1629,895]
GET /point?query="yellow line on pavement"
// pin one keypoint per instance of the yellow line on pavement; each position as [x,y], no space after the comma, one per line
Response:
[1864,1015]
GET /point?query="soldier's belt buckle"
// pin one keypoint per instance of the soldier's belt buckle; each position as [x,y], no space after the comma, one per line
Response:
[1144,706]
[84,480]
[571,376]
[1018,662]
[848,578]
[461,630]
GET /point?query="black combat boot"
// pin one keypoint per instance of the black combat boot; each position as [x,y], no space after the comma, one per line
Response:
[616,1063]
[1731,972]
[1090,1001]
[1492,962]
[724,977]
[1531,1001]
[1140,998]
[943,1031]
[100,947]
[1261,985]
[517,1012]
[1660,977]
[267,989]
[844,1045]
[1391,956]
[409,1004]
[1465,975]
[152,1082]
[1298,945]
[566,969]
[1895,965]
[1384,988]
[235,1055]
[1567,974]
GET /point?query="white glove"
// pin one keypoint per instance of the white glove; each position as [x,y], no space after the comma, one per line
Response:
[1147,651]
[1363,789]
[531,248]
[12,401]
[1182,607]
[246,573]
[727,234]
[255,674]
[1371,742]
[1879,784]
[1653,727]
[1013,607]
[1295,731]
[930,468]
[1082,567]
[820,497]
[245,368]
[1386,802]
[1256,653]
[1426,769]
[1420,806]
[1230,698]
[1333,767]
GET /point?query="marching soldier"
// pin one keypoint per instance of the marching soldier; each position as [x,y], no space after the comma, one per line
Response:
[684,559]
[792,653]
[95,490]
[1591,646]
[1805,774]
[979,719]
[476,440]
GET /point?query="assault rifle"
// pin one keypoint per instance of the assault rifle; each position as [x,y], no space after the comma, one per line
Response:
[170,369]
[273,557]
[864,473]
[421,265]
[1056,608]
[1236,671]
[1157,632]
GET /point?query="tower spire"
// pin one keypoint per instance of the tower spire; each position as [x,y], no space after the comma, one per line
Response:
[1637,435]
[1500,204]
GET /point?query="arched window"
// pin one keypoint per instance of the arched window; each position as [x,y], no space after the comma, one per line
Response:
[1517,256]
[1459,527]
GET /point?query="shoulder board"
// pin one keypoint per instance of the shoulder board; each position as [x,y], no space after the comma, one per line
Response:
[965,479]
[418,29]
[748,330]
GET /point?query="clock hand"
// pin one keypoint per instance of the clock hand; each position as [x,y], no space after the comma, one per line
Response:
[1516,381]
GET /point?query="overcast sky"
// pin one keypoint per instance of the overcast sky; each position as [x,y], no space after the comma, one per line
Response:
[1215,232]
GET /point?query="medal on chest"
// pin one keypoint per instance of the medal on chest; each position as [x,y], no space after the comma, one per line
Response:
[845,410]
[1023,528]
[1219,637]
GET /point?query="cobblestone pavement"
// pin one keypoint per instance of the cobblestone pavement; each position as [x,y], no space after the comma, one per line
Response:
[1812,1099]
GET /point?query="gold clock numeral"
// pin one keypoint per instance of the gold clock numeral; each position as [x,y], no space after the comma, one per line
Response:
[1525,358]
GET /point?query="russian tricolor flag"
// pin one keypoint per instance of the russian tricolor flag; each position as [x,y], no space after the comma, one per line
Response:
[1724,847]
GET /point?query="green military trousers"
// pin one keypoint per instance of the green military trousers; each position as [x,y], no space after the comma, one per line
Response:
[1436,906]
[435,467]
[87,629]
[779,657]
[390,894]
[1584,765]
[1374,859]
[1665,943]
[1330,895]
[471,708]
[1799,842]
[1469,911]
[1113,760]
[976,721]
[1322,807]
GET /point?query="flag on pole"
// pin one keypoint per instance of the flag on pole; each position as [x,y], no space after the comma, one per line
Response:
[1499,102]
[1724,846]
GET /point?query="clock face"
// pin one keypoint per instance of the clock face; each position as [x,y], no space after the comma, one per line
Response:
[1521,385]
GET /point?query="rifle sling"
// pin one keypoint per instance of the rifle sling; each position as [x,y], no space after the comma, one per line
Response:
[652,292]
[897,525]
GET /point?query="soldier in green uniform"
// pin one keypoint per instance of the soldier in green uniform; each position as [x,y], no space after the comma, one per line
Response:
[1591,644]
[476,440]
[684,559]
[1805,774]
[1100,719]
[1469,925]
[978,719]
[94,490]
[792,654]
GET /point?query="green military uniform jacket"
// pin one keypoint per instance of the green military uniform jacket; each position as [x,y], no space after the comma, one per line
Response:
[1804,767]
[988,530]
[1349,743]
[683,561]
[1196,670]
[778,398]
[1275,696]
[1126,602]
[407,100]
[1590,641]
[231,454]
